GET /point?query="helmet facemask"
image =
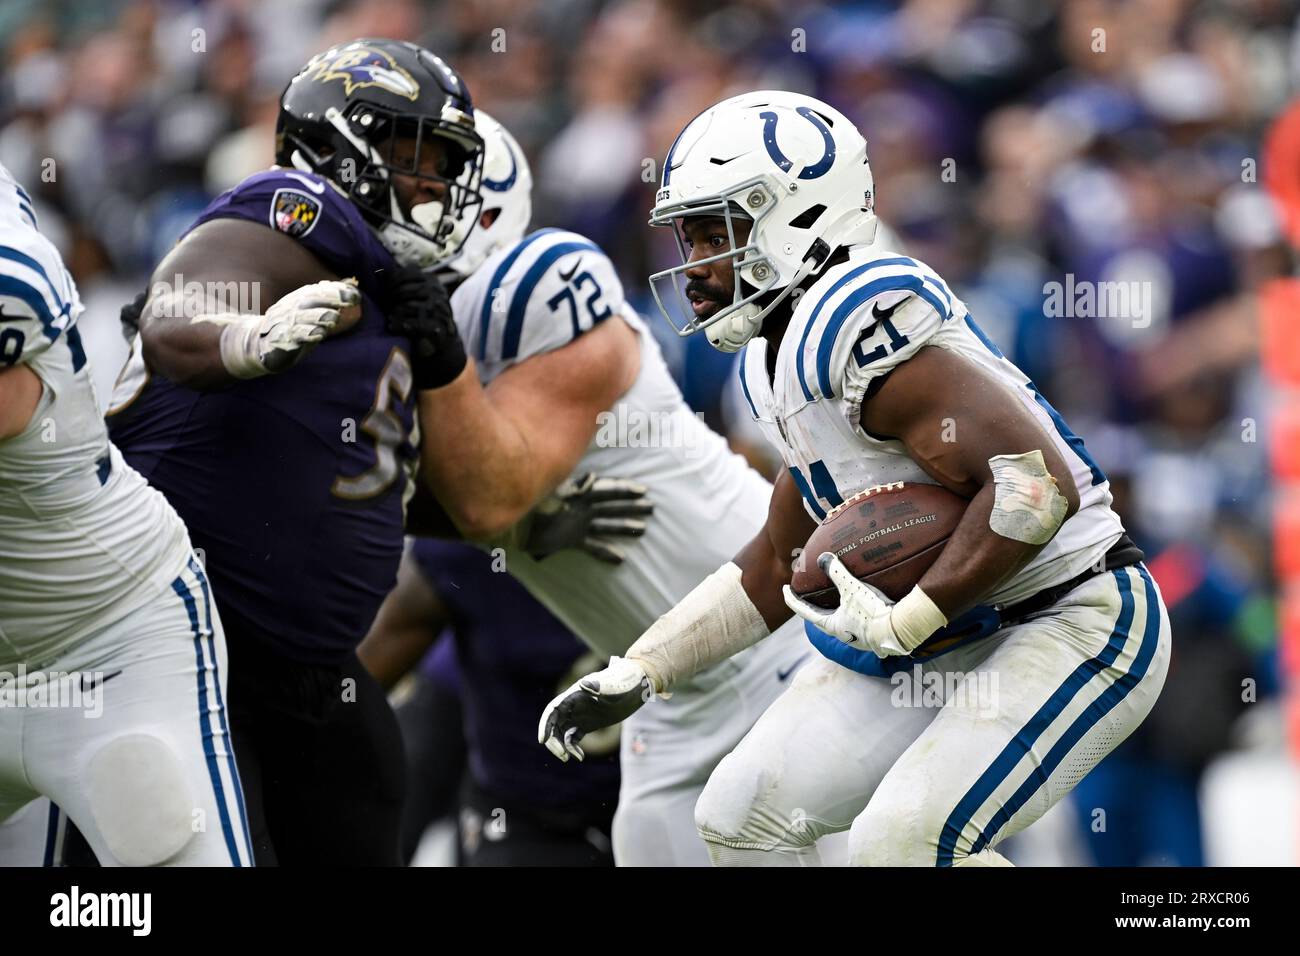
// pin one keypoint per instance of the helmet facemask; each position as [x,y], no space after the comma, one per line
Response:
[755,273]
[427,233]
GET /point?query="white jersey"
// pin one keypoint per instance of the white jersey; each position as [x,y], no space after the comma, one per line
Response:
[835,348]
[539,295]
[83,539]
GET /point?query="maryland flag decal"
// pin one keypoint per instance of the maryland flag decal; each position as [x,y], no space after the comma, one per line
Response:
[294,212]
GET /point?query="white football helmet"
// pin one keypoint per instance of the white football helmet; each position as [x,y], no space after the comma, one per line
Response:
[791,164]
[507,186]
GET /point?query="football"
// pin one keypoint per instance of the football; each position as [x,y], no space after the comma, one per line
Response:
[886,535]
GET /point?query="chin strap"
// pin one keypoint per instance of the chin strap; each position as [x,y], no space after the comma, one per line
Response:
[735,331]
[407,247]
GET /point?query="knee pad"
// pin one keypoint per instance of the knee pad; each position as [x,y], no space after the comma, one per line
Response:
[869,839]
[893,831]
[140,800]
[897,831]
[733,810]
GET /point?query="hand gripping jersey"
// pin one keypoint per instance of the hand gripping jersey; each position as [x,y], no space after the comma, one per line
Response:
[539,295]
[859,321]
[293,485]
[83,540]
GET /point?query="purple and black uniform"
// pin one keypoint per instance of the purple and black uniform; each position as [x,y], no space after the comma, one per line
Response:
[511,656]
[293,484]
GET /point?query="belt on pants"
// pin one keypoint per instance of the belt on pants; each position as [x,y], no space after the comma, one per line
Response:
[973,625]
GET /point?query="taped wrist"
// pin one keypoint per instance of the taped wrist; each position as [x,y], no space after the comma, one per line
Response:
[714,621]
[915,618]
[239,353]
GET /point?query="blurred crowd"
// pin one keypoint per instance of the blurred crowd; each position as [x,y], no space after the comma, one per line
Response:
[1015,144]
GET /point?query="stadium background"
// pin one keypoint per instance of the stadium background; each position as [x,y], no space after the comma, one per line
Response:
[1014,144]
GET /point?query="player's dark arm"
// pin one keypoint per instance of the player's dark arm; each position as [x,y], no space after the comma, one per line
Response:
[224,269]
[953,417]
[490,455]
[406,626]
[767,562]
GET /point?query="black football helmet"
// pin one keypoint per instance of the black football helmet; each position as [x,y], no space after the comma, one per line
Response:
[342,117]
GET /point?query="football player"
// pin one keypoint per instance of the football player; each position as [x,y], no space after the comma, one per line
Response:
[565,379]
[292,475]
[112,656]
[862,368]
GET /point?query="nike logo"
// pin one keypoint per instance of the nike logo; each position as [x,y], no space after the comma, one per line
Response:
[880,315]
[317,188]
[89,685]
[722,162]
[782,675]
[566,276]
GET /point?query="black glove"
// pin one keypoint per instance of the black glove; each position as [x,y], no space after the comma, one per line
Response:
[593,703]
[590,514]
[130,316]
[420,310]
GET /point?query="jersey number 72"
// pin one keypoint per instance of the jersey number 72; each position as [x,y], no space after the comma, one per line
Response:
[566,295]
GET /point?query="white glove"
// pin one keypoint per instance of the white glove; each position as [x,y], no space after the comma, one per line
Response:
[256,345]
[866,619]
[592,703]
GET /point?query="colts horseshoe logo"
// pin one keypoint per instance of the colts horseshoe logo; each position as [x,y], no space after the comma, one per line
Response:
[501,185]
[819,168]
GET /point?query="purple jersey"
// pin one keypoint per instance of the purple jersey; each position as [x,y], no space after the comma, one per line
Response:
[293,485]
[511,657]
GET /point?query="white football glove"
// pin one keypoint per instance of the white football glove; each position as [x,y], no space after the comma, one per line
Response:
[599,700]
[866,619]
[252,346]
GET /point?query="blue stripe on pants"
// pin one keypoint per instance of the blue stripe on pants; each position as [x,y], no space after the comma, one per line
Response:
[221,708]
[51,835]
[205,723]
[1022,744]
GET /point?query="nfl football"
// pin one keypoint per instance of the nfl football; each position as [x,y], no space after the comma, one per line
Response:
[886,535]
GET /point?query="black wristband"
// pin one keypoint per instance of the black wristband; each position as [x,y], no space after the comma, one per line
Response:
[435,364]
[420,309]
